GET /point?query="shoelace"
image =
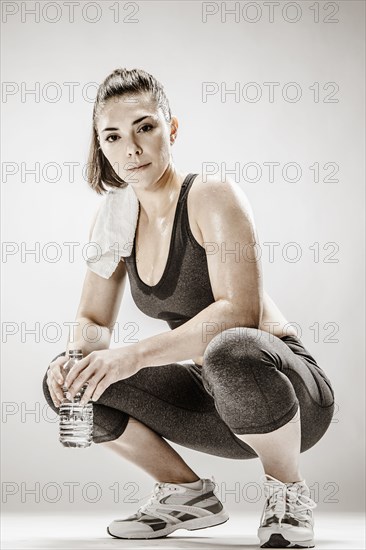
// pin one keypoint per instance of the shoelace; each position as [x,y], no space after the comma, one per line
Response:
[159,490]
[285,499]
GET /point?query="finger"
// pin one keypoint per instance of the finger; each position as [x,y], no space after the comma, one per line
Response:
[50,381]
[59,361]
[104,383]
[55,372]
[60,368]
[55,378]
[90,389]
[54,386]
[56,401]
[75,371]
[83,377]
[57,390]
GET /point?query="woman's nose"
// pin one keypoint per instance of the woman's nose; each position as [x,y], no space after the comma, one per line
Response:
[132,149]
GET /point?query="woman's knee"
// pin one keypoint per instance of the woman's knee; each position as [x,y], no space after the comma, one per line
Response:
[236,346]
[238,368]
[226,338]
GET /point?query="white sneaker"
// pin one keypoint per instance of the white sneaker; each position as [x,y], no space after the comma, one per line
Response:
[172,506]
[287,518]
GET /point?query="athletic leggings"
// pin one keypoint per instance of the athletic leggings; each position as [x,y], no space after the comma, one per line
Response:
[251,382]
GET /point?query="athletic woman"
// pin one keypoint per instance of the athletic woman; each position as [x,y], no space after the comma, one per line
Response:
[231,378]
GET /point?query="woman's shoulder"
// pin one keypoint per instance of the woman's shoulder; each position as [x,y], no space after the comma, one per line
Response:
[215,184]
[217,206]
[217,192]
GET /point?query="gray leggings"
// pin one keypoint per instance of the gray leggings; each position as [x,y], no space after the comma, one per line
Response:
[250,382]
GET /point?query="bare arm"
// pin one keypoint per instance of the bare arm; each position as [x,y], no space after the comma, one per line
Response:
[98,308]
[227,226]
[96,315]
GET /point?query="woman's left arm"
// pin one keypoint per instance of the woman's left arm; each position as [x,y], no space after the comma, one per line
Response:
[225,219]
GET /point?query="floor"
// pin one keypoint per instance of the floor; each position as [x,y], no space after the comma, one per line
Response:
[79,532]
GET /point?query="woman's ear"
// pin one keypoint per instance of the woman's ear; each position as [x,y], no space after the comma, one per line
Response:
[173,129]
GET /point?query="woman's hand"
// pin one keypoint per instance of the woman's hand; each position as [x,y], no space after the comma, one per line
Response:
[100,369]
[55,379]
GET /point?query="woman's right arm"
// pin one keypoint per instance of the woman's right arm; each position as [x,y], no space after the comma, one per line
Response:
[96,315]
[98,310]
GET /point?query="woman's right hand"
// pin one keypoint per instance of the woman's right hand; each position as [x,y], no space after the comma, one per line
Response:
[55,379]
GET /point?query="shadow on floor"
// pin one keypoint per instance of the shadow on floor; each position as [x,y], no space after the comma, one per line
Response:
[171,542]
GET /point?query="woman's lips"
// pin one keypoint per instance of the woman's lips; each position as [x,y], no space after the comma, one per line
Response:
[138,168]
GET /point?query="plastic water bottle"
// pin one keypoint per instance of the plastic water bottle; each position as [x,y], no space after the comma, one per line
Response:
[75,420]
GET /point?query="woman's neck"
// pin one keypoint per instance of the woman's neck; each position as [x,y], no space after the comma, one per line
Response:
[157,201]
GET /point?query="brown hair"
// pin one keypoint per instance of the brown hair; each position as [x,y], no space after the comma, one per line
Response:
[120,82]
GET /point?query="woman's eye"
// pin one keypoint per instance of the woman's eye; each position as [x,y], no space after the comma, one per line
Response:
[146,126]
[149,126]
[112,135]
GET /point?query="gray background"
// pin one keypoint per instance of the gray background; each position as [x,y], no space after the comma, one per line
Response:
[170,40]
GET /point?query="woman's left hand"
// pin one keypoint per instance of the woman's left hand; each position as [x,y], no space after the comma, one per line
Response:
[101,369]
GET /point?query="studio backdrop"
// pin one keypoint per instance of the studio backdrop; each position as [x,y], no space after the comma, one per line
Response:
[269,94]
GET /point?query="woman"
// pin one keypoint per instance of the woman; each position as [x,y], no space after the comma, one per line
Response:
[245,388]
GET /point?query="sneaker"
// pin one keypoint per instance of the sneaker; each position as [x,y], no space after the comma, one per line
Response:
[172,506]
[287,518]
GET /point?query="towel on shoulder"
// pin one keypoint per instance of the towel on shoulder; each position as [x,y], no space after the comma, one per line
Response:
[114,230]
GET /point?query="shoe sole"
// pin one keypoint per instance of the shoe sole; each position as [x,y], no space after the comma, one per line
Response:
[277,540]
[190,525]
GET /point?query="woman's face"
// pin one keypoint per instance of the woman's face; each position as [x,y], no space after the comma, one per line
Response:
[132,132]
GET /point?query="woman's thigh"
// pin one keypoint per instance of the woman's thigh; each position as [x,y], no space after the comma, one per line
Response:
[183,403]
[314,392]
[258,381]
[171,400]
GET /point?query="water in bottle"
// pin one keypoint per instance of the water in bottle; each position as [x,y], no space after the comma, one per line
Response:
[75,420]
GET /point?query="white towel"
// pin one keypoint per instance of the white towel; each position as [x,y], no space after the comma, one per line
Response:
[114,230]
